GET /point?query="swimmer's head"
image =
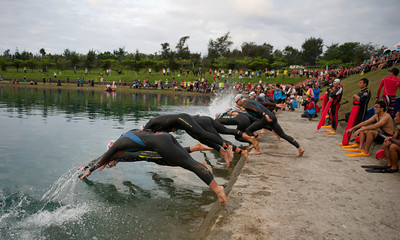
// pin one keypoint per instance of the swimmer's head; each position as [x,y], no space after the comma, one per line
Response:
[238,97]
[109,145]
[252,94]
[262,95]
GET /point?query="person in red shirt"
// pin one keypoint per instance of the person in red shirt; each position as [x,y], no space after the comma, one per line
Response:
[390,84]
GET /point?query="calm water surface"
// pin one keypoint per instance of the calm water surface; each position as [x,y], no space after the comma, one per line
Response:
[47,134]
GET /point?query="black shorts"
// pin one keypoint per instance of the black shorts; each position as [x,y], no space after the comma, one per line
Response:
[381,137]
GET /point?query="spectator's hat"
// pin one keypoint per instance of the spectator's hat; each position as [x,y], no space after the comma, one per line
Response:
[252,94]
[238,97]
[395,71]
[337,80]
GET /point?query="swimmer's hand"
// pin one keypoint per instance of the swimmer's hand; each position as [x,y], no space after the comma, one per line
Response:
[83,167]
[87,174]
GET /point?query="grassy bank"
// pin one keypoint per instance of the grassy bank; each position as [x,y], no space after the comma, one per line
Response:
[129,76]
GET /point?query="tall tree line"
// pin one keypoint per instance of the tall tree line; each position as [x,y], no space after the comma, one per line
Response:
[252,56]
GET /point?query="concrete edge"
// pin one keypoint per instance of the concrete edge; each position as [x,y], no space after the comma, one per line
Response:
[212,215]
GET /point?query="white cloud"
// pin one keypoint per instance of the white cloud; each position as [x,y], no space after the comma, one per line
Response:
[106,25]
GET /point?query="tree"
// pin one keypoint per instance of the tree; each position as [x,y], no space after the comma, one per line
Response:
[32,63]
[244,63]
[17,63]
[42,52]
[219,47]
[90,59]
[165,51]
[106,64]
[7,54]
[259,63]
[120,53]
[4,63]
[311,50]
[250,49]
[292,56]
[182,49]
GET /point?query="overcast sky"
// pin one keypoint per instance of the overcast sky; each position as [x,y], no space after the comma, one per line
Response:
[106,25]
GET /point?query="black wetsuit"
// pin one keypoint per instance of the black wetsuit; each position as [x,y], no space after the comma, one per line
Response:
[212,126]
[365,96]
[267,102]
[170,151]
[336,96]
[258,110]
[183,121]
[242,120]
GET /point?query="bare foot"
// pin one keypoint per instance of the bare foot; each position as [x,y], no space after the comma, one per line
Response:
[245,155]
[225,155]
[301,151]
[254,142]
[254,152]
[200,147]
[221,195]
[230,152]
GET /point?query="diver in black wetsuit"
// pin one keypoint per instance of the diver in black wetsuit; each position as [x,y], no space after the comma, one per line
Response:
[214,127]
[234,117]
[183,121]
[266,120]
[172,153]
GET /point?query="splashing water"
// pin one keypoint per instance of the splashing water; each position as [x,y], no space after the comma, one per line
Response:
[24,217]
[218,104]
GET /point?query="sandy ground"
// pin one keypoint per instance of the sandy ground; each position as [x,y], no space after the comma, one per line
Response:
[322,195]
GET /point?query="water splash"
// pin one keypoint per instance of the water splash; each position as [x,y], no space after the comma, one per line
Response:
[218,104]
[24,217]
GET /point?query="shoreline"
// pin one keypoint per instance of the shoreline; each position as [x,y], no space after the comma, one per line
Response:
[100,88]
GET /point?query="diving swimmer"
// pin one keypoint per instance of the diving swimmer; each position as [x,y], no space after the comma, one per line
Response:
[172,153]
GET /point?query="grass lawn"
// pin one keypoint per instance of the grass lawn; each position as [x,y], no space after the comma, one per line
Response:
[129,76]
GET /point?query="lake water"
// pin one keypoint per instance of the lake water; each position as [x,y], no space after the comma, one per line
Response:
[46,134]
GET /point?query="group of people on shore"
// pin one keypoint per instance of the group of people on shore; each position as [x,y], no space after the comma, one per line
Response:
[153,143]
[380,127]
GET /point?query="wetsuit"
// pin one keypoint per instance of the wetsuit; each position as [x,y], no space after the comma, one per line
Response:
[172,153]
[365,96]
[183,121]
[336,95]
[391,83]
[267,102]
[212,126]
[242,120]
[258,110]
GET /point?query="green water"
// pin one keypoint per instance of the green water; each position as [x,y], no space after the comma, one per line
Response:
[47,134]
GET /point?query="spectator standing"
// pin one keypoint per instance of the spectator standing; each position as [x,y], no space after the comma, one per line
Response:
[390,85]
[363,97]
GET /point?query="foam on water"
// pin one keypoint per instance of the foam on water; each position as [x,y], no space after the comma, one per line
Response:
[60,216]
[218,104]
[25,217]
